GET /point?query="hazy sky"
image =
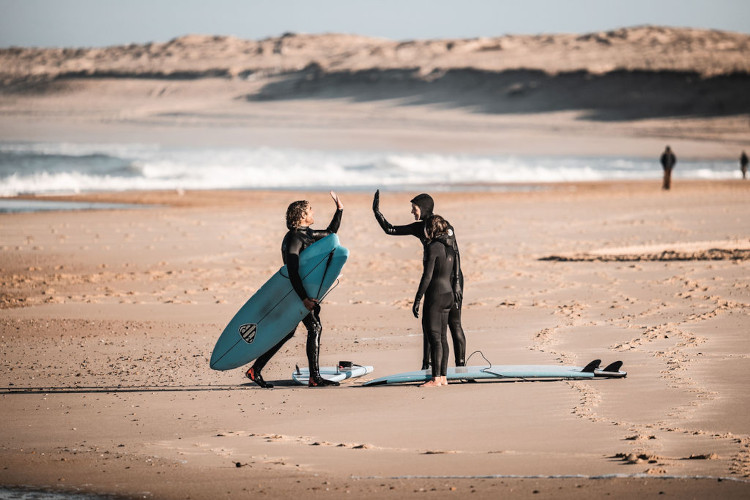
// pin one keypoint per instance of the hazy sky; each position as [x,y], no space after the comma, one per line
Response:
[94,23]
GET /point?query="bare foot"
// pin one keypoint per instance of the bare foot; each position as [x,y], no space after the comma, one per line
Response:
[435,382]
[443,380]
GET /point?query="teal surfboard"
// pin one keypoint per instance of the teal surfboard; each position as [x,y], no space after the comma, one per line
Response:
[509,371]
[275,308]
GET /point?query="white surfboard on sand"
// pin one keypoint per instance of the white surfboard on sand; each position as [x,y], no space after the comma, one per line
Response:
[332,373]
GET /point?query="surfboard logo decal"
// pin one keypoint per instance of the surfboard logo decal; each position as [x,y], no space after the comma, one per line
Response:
[247,332]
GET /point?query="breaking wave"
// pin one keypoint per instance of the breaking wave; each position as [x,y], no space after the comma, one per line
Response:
[49,168]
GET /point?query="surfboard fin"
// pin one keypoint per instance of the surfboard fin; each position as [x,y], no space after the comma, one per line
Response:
[612,371]
[613,367]
[589,368]
[376,382]
[296,367]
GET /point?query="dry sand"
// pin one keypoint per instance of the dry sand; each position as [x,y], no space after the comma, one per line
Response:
[109,320]
[109,317]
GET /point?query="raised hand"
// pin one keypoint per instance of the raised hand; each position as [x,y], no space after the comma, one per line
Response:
[336,200]
[376,201]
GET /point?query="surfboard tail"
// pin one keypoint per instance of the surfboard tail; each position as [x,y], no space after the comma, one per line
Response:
[612,370]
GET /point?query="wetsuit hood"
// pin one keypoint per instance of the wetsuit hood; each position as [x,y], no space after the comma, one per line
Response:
[425,204]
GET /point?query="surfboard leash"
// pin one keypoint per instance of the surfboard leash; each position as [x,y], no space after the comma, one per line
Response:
[483,356]
[325,271]
[335,284]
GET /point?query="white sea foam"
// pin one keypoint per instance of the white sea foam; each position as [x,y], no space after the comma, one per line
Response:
[65,167]
[31,494]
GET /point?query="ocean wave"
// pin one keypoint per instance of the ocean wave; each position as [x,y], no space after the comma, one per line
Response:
[46,168]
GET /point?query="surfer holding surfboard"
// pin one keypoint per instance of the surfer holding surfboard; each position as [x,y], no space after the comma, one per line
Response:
[299,218]
[421,207]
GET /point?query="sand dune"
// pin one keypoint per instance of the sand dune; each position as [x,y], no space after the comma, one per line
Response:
[630,73]
[646,48]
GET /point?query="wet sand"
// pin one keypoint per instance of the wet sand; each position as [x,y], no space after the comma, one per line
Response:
[109,319]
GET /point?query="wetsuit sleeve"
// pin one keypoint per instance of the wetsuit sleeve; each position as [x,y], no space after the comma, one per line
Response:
[458,292]
[429,268]
[413,229]
[292,266]
[456,276]
[333,227]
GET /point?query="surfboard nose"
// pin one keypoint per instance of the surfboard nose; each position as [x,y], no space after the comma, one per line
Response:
[214,361]
[218,361]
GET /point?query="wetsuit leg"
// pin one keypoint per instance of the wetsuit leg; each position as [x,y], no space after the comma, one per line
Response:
[436,312]
[445,313]
[254,372]
[667,179]
[457,333]
[314,330]
[264,358]
[426,342]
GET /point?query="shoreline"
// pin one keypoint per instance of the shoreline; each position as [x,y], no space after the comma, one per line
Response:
[231,196]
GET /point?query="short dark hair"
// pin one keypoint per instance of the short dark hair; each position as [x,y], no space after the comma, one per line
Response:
[295,212]
[435,225]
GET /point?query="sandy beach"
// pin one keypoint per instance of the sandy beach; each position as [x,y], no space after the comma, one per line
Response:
[109,317]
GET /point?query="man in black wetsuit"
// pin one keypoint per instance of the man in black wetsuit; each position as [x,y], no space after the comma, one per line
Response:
[299,217]
[668,161]
[421,207]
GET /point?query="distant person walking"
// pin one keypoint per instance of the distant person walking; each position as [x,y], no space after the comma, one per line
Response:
[743,165]
[668,160]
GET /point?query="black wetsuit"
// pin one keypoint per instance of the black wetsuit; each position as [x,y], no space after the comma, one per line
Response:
[295,241]
[668,161]
[436,286]
[416,229]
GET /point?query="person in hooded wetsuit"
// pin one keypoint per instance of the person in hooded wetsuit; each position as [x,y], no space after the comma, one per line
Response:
[668,161]
[422,206]
[299,217]
[437,287]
